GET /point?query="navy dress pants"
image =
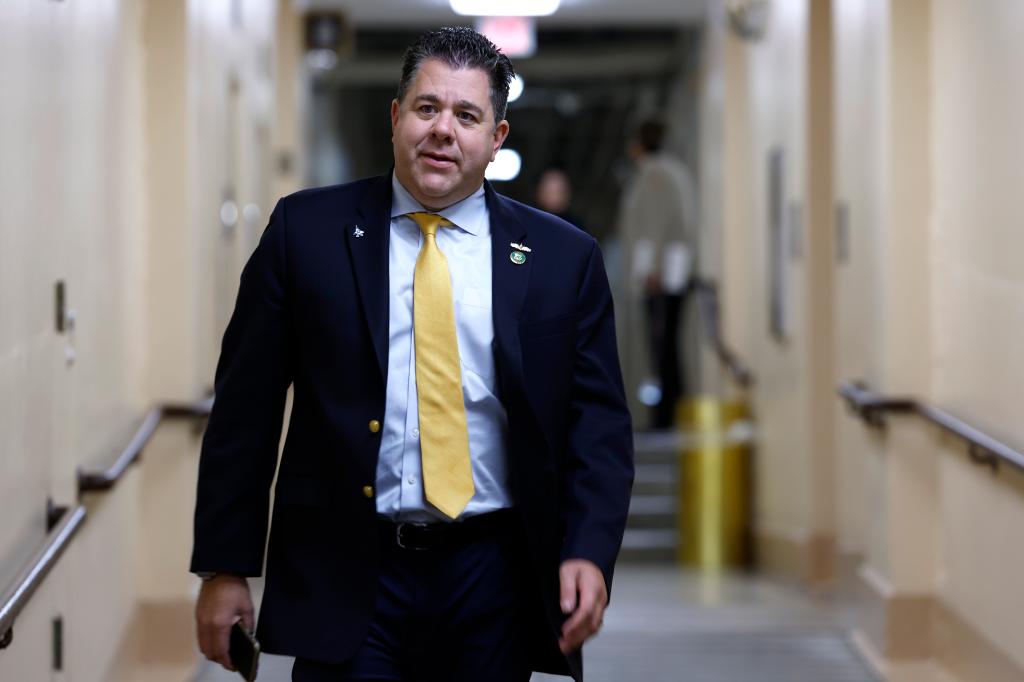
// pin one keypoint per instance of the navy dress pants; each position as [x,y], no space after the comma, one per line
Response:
[451,614]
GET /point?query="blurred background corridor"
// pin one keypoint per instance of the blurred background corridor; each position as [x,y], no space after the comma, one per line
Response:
[823,353]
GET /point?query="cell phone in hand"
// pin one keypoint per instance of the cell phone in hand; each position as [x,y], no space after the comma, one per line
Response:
[244,651]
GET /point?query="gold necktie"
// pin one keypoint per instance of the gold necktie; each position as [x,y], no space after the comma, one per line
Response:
[444,440]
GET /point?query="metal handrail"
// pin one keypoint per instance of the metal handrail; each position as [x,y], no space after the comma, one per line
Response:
[982,448]
[38,567]
[65,525]
[89,481]
[105,479]
[707,304]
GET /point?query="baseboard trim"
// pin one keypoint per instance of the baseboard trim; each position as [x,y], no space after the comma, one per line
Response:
[966,653]
[895,632]
[869,654]
[807,559]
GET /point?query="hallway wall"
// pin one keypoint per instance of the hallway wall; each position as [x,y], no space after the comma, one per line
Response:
[928,302]
[126,127]
[66,130]
[767,115]
[70,130]
[860,106]
[978,304]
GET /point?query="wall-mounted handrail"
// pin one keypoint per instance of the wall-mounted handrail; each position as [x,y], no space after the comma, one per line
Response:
[16,596]
[89,481]
[104,479]
[982,448]
[707,304]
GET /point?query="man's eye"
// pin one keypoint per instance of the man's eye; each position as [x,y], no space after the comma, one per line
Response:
[466,116]
[427,108]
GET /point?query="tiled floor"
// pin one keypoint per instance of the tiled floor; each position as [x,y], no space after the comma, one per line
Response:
[665,625]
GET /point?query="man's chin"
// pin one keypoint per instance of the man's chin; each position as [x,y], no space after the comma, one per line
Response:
[434,193]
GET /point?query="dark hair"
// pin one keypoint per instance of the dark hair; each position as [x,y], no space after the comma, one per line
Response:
[651,134]
[460,47]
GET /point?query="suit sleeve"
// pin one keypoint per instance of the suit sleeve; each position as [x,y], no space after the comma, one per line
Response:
[599,465]
[239,452]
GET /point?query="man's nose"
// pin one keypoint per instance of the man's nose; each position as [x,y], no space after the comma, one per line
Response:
[443,125]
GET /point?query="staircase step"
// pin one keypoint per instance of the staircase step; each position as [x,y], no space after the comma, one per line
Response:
[658,441]
[648,545]
[652,511]
[655,479]
[653,505]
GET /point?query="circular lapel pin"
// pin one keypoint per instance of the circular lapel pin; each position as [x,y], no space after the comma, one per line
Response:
[517,257]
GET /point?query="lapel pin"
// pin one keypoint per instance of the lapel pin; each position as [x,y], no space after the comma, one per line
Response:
[518,256]
[357,232]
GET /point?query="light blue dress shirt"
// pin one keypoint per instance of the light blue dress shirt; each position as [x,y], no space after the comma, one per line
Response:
[467,246]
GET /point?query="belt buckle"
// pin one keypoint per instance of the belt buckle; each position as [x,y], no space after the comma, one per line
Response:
[398,536]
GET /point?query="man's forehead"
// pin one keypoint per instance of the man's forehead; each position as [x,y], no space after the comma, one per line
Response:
[442,68]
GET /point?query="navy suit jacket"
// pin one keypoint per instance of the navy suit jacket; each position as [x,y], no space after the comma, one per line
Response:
[312,312]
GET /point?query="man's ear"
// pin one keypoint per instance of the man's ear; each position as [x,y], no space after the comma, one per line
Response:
[394,114]
[500,133]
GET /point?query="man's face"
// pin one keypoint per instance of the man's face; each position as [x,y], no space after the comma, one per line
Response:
[444,134]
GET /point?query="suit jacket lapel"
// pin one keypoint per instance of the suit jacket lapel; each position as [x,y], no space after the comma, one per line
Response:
[368,252]
[509,282]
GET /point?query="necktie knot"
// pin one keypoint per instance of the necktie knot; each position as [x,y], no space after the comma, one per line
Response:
[429,222]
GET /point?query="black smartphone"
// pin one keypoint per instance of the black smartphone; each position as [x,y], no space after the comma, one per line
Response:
[244,651]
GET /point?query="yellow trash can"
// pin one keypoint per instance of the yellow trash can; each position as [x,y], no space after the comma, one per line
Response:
[715,484]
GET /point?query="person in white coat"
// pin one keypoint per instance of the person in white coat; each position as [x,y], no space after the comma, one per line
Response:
[657,222]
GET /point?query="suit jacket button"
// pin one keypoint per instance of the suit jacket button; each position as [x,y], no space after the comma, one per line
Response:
[368,490]
[374,426]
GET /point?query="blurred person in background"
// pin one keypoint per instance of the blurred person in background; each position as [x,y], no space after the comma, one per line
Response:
[554,195]
[657,225]
[450,503]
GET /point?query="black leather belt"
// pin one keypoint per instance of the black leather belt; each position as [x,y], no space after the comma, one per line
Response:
[444,535]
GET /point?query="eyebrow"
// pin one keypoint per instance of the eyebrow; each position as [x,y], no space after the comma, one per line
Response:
[461,104]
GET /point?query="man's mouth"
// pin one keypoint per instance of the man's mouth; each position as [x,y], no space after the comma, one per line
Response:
[437,160]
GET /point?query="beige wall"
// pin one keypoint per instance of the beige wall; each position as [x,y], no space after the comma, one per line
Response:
[70,132]
[125,125]
[774,88]
[926,152]
[764,87]
[978,303]
[62,172]
[860,56]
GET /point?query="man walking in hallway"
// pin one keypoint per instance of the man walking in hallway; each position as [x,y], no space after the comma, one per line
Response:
[657,222]
[455,479]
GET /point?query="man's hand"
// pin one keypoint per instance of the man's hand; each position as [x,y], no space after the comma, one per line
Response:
[223,601]
[584,595]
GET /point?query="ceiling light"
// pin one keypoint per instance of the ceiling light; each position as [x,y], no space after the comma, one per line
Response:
[515,88]
[505,166]
[505,8]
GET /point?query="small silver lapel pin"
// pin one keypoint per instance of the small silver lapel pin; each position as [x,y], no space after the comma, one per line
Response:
[520,247]
[357,232]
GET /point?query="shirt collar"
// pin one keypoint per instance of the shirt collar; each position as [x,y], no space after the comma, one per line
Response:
[469,215]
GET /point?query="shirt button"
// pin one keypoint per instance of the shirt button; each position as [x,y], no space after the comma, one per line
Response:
[412,480]
[374,426]
[415,433]
[368,491]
